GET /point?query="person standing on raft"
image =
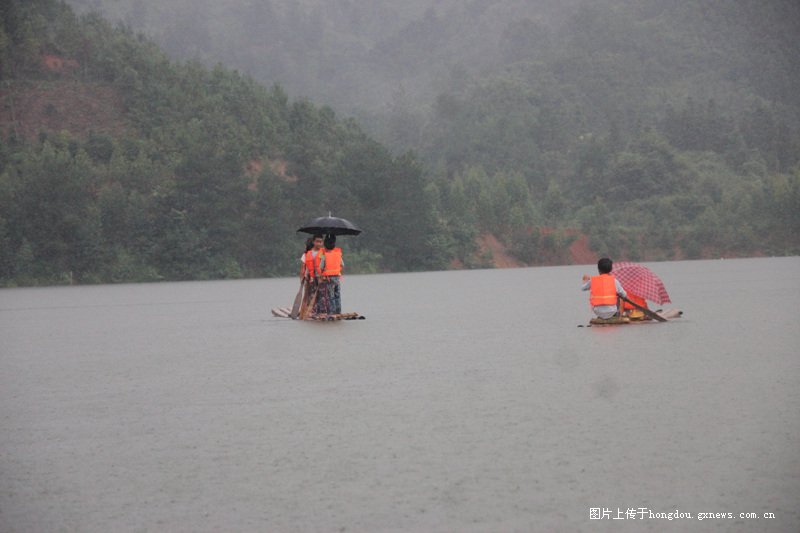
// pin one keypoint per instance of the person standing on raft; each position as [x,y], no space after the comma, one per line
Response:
[311,271]
[313,257]
[329,297]
[303,267]
[604,290]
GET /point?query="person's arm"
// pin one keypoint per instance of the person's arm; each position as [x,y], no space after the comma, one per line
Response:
[587,282]
[620,290]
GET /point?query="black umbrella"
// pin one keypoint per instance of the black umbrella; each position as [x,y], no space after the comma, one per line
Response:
[330,226]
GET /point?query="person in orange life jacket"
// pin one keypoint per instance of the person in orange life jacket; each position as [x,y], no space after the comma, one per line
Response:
[603,289]
[329,298]
[630,311]
[303,268]
[310,271]
[313,257]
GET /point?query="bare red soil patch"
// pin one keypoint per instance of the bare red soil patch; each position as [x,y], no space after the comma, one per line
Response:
[28,108]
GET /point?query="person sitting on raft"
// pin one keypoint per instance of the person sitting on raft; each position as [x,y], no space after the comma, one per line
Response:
[603,290]
[632,312]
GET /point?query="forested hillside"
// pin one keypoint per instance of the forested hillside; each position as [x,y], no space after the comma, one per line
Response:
[117,164]
[510,130]
[662,129]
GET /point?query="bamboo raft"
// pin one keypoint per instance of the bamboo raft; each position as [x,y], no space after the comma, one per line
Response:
[285,312]
[667,314]
[613,321]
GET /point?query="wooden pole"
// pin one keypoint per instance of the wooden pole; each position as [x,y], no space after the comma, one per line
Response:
[298,300]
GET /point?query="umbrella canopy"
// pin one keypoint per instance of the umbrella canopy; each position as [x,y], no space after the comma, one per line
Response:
[641,281]
[330,226]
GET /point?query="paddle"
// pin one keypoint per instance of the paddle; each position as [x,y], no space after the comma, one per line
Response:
[308,302]
[298,300]
[645,310]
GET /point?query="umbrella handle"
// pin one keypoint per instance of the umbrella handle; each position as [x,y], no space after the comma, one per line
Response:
[645,310]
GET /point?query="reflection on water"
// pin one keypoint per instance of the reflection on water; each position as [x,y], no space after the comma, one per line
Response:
[466,400]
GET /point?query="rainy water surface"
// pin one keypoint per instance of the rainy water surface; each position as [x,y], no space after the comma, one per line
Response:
[467,401]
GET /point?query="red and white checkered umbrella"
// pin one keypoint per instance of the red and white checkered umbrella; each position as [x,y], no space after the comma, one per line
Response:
[641,281]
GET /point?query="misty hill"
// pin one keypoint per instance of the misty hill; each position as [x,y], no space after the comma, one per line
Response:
[642,122]
[347,53]
[358,54]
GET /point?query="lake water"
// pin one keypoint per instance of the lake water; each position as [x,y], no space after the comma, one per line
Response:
[467,401]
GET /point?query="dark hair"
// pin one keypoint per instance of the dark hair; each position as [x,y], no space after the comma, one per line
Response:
[315,237]
[309,243]
[330,242]
[605,265]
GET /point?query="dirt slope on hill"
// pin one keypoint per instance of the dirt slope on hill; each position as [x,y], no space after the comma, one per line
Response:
[28,108]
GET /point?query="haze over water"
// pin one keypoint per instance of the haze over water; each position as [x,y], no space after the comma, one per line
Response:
[467,401]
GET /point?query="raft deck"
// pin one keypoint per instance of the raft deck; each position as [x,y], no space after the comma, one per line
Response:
[613,321]
[285,312]
[667,314]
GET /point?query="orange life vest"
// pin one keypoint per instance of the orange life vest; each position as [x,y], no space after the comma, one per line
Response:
[312,262]
[333,262]
[603,290]
[635,299]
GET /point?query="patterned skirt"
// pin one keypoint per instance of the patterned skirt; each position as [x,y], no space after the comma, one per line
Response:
[329,296]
